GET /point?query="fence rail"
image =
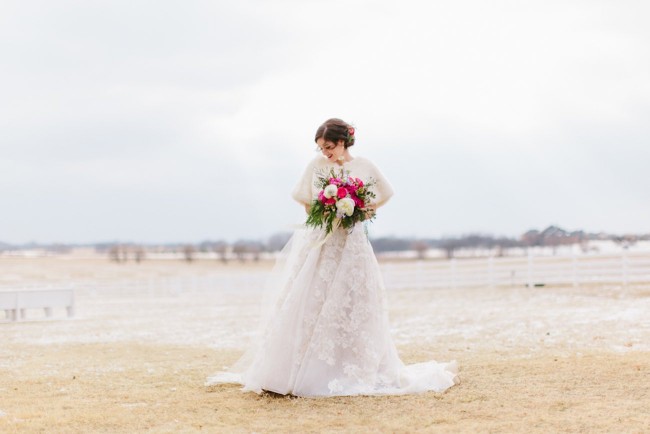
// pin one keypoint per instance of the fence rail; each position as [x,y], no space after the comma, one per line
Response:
[607,269]
[530,270]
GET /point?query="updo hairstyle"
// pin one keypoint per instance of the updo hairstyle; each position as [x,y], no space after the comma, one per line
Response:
[334,130]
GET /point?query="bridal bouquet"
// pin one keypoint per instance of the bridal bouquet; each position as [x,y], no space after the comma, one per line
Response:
[341,202]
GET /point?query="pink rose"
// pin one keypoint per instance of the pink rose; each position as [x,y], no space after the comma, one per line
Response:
[342,192]
[359,182]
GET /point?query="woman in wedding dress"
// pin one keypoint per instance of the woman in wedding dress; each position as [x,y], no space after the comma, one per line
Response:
[326,331]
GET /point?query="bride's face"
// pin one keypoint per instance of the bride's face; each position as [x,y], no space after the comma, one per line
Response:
[332,151]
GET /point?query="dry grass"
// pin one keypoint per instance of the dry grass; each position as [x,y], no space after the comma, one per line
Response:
[552,360]
[129,387]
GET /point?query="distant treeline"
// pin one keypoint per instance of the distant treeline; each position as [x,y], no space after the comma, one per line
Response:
[254,249]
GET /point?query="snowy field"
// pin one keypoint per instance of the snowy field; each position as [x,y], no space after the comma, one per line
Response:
[209,304]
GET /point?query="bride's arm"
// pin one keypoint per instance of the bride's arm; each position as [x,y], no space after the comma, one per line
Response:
[383,189]
[370,210]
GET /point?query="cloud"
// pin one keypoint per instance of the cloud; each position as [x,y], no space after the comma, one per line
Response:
[159,121]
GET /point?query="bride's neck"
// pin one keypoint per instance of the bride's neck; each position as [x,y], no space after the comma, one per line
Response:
[346,158]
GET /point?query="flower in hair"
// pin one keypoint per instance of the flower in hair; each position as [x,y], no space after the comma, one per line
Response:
[351,131]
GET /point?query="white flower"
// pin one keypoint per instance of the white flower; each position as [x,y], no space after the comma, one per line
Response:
[345,206]
[330,191]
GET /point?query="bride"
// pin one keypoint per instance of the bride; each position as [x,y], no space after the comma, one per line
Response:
[326,332]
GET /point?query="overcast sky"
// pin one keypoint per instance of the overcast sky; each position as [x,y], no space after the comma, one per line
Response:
[159,121]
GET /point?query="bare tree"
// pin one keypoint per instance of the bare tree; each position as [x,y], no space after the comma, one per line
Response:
[138,254]
[421,248]
[255,252]
[188,252]
[239,250]
[114,253]
[124,253]
[278,241]
[221,248]
[450,245]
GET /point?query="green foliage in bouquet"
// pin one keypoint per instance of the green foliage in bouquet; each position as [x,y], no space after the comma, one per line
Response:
[343,201]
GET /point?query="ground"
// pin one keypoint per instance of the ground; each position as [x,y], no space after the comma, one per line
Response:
[146,337]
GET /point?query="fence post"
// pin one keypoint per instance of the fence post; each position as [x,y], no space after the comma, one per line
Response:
[574,260]
[624,270]
[452,263]
[529,277]
[490,271]
[418,272]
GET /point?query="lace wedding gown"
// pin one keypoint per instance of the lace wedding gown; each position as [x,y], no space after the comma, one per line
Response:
[326,332]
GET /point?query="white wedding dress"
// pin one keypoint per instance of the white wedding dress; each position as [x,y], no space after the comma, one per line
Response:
[326,331]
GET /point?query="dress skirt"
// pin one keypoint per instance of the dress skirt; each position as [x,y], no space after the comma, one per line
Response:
[326,329]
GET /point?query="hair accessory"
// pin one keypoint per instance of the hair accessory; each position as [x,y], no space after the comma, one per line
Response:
[351,131]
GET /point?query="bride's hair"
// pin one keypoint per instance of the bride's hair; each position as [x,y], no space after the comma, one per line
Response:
[334,130]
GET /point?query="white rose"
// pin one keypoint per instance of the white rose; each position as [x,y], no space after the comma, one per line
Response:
[330,191]
[345,206]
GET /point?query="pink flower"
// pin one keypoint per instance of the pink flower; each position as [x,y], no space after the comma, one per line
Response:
[357,201]
[342,192]
[335,181]
[323,199]
[359,182]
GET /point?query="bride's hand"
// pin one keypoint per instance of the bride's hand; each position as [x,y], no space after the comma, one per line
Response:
[370,211]
[307,208]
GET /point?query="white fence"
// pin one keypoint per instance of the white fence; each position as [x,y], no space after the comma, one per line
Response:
[622,269]
[155,285]
[16,303]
